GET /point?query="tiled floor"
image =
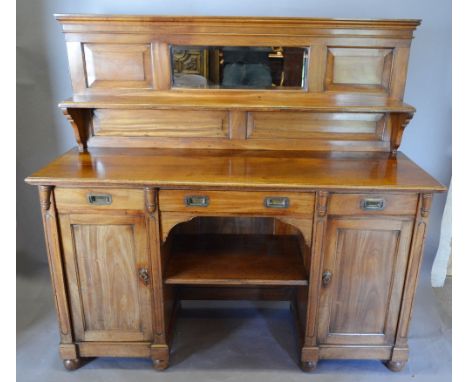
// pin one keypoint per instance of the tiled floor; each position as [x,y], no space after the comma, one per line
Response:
[229,341]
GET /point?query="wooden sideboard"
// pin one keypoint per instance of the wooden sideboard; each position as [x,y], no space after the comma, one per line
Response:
[287,185]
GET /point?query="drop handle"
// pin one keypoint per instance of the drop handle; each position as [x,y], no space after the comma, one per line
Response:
[143,275]
[326,278]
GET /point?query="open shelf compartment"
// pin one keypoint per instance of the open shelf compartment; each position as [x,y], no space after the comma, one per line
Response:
[236,260]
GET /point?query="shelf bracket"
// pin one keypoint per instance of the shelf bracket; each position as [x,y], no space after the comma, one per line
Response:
[398,122]
[79,119]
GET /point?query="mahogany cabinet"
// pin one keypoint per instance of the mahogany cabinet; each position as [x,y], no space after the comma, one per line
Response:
[235,158]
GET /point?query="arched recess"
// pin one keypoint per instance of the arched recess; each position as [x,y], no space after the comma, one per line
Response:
[169,220]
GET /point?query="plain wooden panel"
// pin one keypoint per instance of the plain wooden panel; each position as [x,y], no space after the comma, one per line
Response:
[109,284]
[367,259]
[394,204]
[237,124]
[118,66]
[319,126]
[369,256]
[162,65]
[77,66]
[103,256]
[161,123]
[316,68]
[69,199]
[111,349]
[355,352]
[264,292]
[400,64]
[227,225]
[367,67]
[235,202]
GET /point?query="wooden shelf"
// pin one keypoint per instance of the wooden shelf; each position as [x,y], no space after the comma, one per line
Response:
[255,100]
[235,260]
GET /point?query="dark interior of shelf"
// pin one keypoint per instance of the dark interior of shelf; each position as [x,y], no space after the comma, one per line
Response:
[228,259]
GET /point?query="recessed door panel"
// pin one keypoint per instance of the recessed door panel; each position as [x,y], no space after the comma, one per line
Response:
[122,66]
[363,273]
[105,256]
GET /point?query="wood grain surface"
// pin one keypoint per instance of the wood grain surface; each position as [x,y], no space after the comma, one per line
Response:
[236,169]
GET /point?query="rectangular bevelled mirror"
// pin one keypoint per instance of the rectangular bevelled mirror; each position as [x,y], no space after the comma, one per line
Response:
[239,67]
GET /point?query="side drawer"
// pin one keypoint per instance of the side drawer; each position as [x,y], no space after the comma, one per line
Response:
[373,204]
[72,199]
[237,202]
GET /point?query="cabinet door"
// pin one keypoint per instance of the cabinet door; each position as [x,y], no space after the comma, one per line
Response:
[104,254]
[362,281]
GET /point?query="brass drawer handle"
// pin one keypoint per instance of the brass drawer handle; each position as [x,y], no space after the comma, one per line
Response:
[372,204]
[143,275]
[100,199]
[197,201]
[276,202]
[326,278]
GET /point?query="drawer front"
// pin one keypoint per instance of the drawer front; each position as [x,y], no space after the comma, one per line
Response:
[237,202]
[373,204]
[73,199]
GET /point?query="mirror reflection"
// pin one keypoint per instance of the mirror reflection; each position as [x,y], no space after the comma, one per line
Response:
[233,67]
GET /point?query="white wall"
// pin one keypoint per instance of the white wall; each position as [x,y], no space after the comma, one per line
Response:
[43,81]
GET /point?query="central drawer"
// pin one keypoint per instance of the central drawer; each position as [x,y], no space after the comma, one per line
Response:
[237,202]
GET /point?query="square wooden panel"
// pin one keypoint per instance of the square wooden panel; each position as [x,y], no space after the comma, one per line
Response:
[120,66]
[358,69]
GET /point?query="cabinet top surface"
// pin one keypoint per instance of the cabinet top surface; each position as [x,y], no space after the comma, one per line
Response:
[178,168]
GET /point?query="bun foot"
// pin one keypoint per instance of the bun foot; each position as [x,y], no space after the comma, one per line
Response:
[308,366]
[72,364]
[395,365]
[160,364]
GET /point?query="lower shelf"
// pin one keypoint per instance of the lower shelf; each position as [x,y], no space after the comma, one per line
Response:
[215,259]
